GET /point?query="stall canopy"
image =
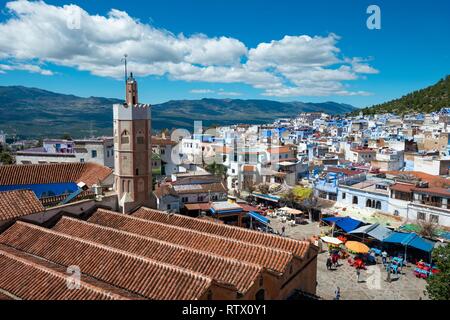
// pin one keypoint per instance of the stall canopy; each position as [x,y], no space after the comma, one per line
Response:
[345,223]
[375,230]
[357,247]
[259,217]
[291,211]
[268,197]
[410,240]
[331,240]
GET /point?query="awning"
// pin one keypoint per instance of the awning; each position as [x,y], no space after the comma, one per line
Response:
[259,217]
[267,197]
[331,240]
[291,210]
[345,223]
[248,208]
[375,230]
[410,240]
[362,229]
[357,247]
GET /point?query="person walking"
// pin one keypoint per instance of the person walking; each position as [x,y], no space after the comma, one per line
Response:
[358,272]
[337,293]
[329,263]
[283,229]
[384,256]
[388,279]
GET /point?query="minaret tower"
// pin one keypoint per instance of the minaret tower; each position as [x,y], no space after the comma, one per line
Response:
[132,150]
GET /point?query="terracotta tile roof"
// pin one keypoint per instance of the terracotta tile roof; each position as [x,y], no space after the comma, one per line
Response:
[402,187]
[89,173]
[435,191]
[347,172]
[18,203]
[158,141]
[273,259]
[249,168]
[232,272]
[198,206]
[296,247]
[282,149]
[433,181]
[25,277]
[136,274]
[223,149]
[364,150]
[199,188]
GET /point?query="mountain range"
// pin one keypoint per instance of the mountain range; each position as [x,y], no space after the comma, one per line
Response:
[34,113]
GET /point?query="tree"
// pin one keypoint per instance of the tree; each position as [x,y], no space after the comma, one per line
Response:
[438,285]
[217,169]
[264,188]
[427,229]
[66,136]
[290,198]
[6,158]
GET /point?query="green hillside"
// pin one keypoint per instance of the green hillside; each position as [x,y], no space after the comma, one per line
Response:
[430,99]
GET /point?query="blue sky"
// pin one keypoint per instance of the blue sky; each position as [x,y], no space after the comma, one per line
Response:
[247,54]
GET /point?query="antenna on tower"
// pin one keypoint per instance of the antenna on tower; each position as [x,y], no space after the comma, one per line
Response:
[125,56]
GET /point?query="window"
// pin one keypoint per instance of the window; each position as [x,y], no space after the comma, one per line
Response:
[355,200]
[396,213]
[124,139]
[184,199]
[421,216]
[168,207]
[200,198]
[378,205]
[82,160]
[94,153]
[369,203]
[343,195]
[137,171]
[434,218]
[140,140]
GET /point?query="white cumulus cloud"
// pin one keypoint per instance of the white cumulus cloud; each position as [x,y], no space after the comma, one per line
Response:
[36,33]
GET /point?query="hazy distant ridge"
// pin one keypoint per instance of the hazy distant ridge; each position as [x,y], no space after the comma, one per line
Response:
[36,112]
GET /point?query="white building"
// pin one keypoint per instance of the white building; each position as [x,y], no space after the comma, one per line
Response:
[432,165]
[98,150]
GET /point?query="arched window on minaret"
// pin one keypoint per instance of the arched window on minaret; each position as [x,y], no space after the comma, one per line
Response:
[124,137]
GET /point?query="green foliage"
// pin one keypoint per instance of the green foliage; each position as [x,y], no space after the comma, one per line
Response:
[217,169]
[6,158]
[438,285]
[264,188]
[426,100]
[66,136]
[297,194]
[302,193]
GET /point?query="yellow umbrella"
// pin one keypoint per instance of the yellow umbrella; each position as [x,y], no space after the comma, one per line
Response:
[356,247]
